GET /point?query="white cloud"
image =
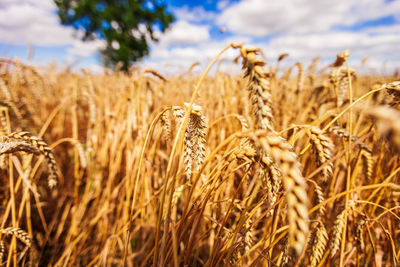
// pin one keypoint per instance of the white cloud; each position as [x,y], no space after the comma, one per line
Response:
[36,22]
[182,32]
[261,17]
[23,21]
[84,49]
[222,4]
[196,14]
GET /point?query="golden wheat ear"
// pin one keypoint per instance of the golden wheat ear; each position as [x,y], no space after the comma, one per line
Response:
[337,231]
[318,242]
[323,148]
[259,87]
[194,141]
[43,148]
[20,234]
[295,188]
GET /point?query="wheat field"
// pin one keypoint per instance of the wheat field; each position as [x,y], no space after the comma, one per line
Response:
[267,168]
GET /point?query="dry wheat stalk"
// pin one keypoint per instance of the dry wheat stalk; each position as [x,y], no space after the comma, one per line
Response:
[295,188]
[336,235]
[20,234]
[323,148]
[318,244]
[258,87]
[43,148]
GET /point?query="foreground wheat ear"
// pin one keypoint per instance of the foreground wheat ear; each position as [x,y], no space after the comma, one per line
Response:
[19,234]
[24,140]
[295,188]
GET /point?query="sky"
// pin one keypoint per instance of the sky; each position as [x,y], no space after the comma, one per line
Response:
[30,30]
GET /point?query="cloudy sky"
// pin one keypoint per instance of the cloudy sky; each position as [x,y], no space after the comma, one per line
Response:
[302,28]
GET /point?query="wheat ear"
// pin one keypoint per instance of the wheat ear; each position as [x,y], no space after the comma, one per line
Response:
[337,232]
[295,188]
[259,87]
[323,148]
[300,77]
[318,244]
[17,146]
[393,89]
[166,126]
[387,122]
[42,146]
[20,234]
[155,73]
[2,252]
[194,141]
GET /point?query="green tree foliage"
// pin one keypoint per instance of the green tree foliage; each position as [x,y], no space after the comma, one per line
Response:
[126,25]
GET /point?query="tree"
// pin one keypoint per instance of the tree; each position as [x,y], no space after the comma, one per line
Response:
[126,25]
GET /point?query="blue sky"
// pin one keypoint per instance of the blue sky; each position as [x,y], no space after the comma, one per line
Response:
[302,28]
